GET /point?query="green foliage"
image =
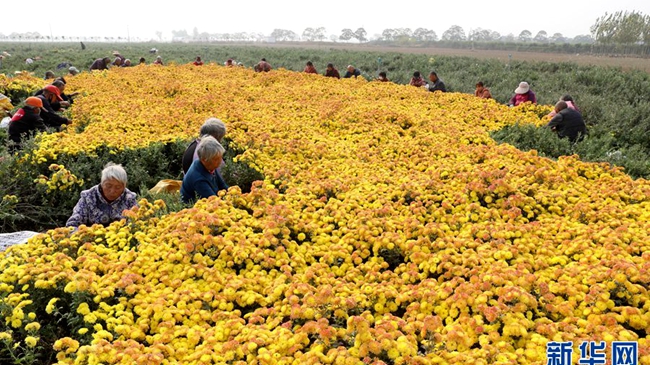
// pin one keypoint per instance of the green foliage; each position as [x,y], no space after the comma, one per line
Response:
[37,208]
[621,27]
[599,146]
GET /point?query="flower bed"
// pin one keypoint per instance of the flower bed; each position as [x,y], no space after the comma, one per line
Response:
[389,229]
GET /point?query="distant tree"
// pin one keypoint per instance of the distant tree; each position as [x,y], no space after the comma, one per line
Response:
[585,38]
[482,35]
[557,38]
[495,36]
[308,34]
[403,34]
[159,35]
[195,33]
[360,34]
[620,27]
[282,35]
[525,36]
[388,34]
[319,33]
[346,34]
[180,34]
[454,33]
[541,37]
[423,34]
[508,38]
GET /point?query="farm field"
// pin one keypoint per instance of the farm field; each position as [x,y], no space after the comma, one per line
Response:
[625,63]
[387,227]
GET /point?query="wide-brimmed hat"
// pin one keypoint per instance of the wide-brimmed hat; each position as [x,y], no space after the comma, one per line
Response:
[523,88]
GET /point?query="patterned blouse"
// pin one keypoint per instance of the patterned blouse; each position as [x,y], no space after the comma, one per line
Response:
[92,208]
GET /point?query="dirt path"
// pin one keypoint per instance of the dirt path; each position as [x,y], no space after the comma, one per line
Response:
[626,63]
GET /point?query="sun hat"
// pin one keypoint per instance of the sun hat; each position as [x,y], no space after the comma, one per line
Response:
[523,88]
[73,70]
[34,101]
[54,90]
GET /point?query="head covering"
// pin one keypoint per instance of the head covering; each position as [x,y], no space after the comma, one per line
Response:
[54,90]
[73,70]
[34,101]
[523,88]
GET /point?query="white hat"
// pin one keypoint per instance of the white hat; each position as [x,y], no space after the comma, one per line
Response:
[73,69]
[523,88]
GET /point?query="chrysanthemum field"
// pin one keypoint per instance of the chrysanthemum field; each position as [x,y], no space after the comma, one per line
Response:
[389,229]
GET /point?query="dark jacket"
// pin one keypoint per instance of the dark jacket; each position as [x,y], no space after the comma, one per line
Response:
[188,155]
[25,123]
[99,65]
[569,123]
[50,117]
[332,73]
[354,73]
[438,86]
[56,106]
[199,183]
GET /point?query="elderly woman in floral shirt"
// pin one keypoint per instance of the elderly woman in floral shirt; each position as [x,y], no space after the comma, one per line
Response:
[104,203]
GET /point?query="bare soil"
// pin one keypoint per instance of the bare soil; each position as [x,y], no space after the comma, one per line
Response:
[626,63]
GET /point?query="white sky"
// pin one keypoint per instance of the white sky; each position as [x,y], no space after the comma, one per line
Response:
[144,18]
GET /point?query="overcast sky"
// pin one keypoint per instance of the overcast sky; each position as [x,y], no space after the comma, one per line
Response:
[143,18]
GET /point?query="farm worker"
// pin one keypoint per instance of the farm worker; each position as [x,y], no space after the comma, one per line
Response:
[309,68]
[158,61]
[5,105]
[100,64]
[73,71]
[569,102]
[66,100]
[104,203]
[482,91]
[523,94]
[197,61]
[417,79]
[200,182]
[142,61]
[229,63]
[568,122]
[26,122]
[117,62]
[330,71]
[437,84]
[211,127]
[51,94]
[127,63]
[262,66]
[49,75]
[382,77]
[118,55]
[351,71]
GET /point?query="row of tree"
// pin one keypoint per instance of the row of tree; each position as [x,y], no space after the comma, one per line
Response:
[622,28]
[617,28]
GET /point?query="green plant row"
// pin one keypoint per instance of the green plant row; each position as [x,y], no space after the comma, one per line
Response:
[37,208]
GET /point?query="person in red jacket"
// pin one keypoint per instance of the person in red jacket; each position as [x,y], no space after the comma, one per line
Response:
[26,122]
[197,61]
[309,68]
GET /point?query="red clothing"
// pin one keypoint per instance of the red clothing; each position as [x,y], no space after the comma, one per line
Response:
[263,66]
[310,70]
[198,63]
[332,73]
[483,93]
[419,82]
